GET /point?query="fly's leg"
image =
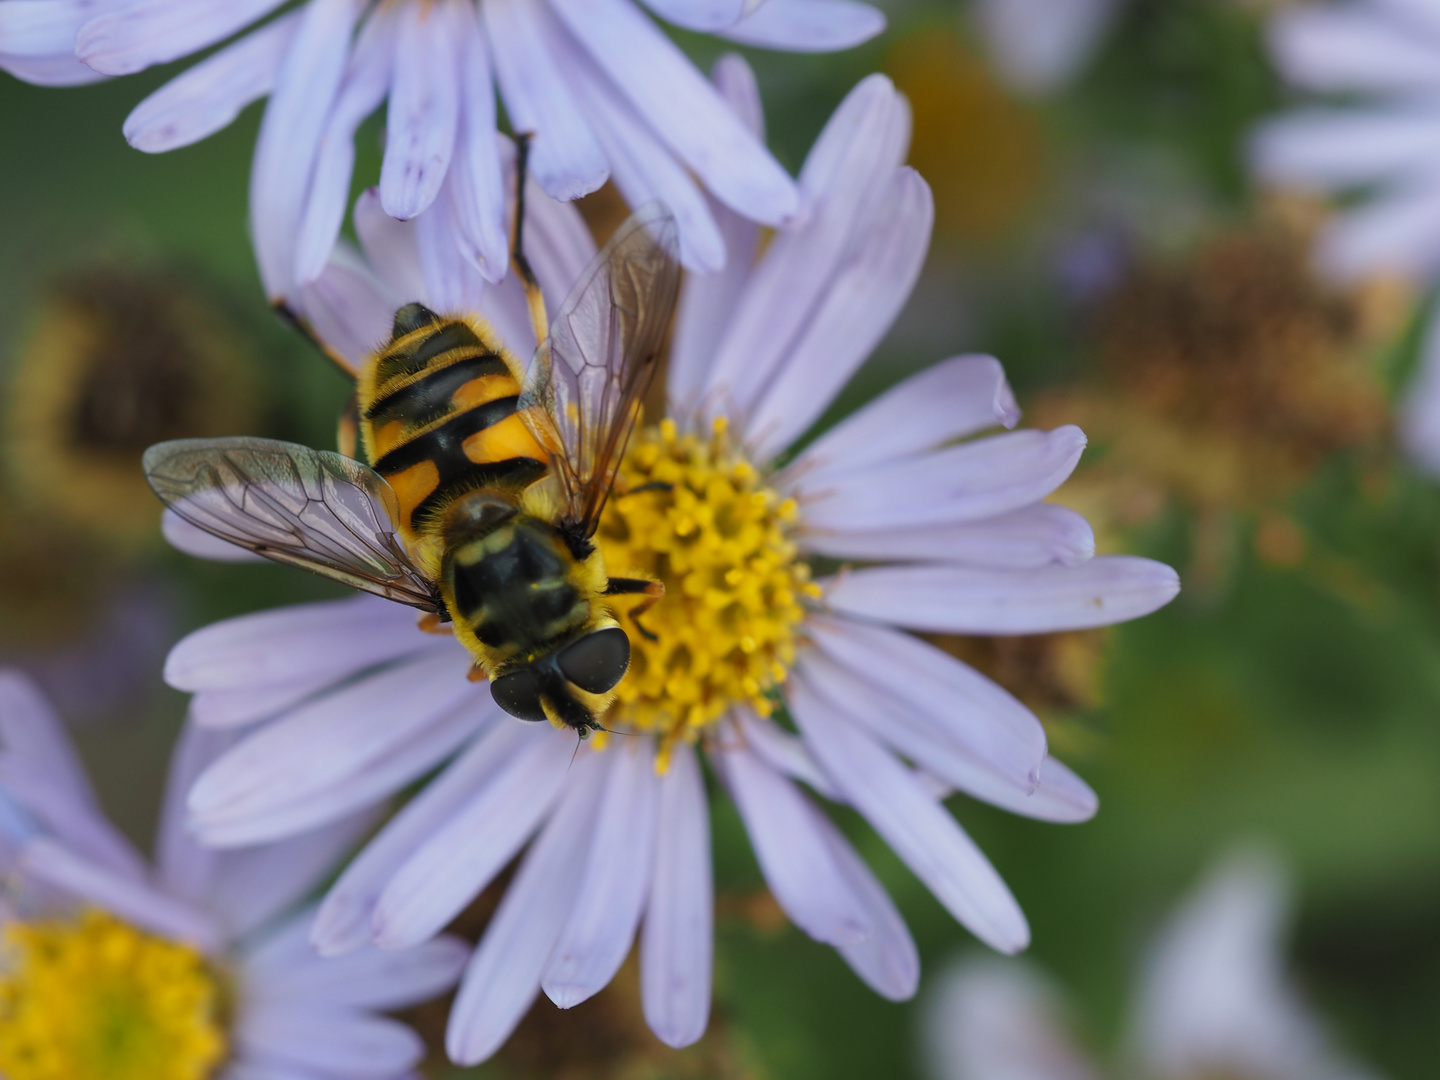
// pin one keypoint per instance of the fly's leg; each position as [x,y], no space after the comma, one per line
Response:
[432,623]
[533,297]
[651,591]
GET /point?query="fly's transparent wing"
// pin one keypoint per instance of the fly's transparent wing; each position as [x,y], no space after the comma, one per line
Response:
[313,509]
[584,390]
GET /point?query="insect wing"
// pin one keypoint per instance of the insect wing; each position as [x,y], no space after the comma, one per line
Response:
[310,508]
[583,392]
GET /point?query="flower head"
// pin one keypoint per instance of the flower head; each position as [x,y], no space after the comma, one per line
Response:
[604,92]
[113,970]
[791,580]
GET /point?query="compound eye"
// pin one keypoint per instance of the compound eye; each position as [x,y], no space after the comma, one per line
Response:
[518,693]
[597,661]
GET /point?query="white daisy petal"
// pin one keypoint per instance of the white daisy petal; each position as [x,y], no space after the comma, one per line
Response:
[477,187]
[970,482]
[912,822]
[842,183]
[682,107]
[887,960]
[424,109]
[309,78]
[210,95]
[598,934]
[566,159]
[807,25]
[458,859]
[504,976]
[965,600]
[1036,535]
[331,1041]
[138,35]
[325,742]
[367,81]
[370,978]
[794,854]
[677,938]
[56,866]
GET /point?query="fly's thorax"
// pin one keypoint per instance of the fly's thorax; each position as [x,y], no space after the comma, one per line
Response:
[515,589]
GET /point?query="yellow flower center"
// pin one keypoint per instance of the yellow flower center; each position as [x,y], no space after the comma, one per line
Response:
[96,999]
[693,513]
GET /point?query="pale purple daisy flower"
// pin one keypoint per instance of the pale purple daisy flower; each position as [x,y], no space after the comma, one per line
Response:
[1212,1000]
[1386,145]
[1037,46]
[603,90]
[239,993]
[351,701]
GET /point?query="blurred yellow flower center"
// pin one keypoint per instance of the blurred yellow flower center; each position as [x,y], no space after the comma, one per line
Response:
[694,513]
[96,999]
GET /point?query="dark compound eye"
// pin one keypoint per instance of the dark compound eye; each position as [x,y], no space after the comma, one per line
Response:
[518,693]
[597,661]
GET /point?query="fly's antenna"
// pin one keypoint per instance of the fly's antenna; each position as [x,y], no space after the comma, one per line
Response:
[533,296]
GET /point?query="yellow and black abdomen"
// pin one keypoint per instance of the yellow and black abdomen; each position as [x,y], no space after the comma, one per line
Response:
[438,420]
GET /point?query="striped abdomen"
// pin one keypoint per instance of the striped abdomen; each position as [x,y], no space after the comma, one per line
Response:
[437,415]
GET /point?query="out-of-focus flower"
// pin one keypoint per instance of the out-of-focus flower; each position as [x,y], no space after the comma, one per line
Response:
[1383,144]
[604,91]
[1213,1001]
[1038,46]
[113,970]
[952,536]
[979,149]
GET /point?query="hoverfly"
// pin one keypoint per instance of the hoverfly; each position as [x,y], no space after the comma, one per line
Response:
[484,488]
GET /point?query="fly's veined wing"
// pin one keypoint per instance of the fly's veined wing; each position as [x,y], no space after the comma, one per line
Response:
[584,390]
[310,508]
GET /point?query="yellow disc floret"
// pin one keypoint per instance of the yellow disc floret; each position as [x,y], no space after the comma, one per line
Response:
[95,999]
[692,512]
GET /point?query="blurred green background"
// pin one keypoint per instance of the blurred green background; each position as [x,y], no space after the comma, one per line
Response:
[1291,693]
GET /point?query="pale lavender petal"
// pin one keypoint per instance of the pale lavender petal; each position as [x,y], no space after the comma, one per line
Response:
[344,920]
[424,109]
[183,868]
[794,854]
[558,243]
[707,301]
[677,943]
[807,25]
[706,16]
[210,95]
[459,859]
[931,692]
[853,315]
[845,176]
[566,159]
[252,885]
[137,35]
[370,979]
[782,751]
[82,828]
[967,600]
[318,642]
[1339,148]
[41,29]
[349,308]
[221,709]
[194,541]
[32,732]
[504,976]
[1420,411]
[600,929]
[477,186]
[641,166]
[1399,232]
[290,132]
[956,398]
[1347,47]
[452,283]
[913,822]
[682,107]
[1046,790]
[1036,535]
[334,1042]
[1038,45]
[367,81]
[987,477]
[887,960]
[49,70]
[338,753]
[391,248]
[134,901]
